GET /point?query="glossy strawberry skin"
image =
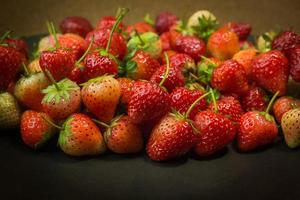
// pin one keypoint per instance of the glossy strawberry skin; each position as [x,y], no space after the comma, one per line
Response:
[255,99]
[118,46]
[242,30]
[108,22]
[77,75]
[35,131]
[59,63]
[97,65]
[73,42]
[294,61]
[175,77]
[270,70]
[75,24]
[182,98]
[245,57]
[19,44]
[164,21]
[191,45]
[148,101]
[181,61]
[286,41]
[284,104]
[230,77]
[140,27]
[215,130]
[255,131]
[170,138]
[126,85]
[10,62]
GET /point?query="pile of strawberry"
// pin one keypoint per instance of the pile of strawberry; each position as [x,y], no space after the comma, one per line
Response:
[168,86]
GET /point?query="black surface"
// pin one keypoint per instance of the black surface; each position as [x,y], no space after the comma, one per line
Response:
[271,173]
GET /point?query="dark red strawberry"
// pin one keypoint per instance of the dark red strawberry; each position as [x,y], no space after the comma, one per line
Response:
[75,24]
[108,22]
[19,44]
[242,30]
[294,61]
[126,85]
[230,77]
[270,70]
[255,99]
[286,41]
[284,104]
[164,21]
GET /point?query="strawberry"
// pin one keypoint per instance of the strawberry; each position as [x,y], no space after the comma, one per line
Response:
[216,131]
[182,61]
[257,129]
[80,136]
[140,27]
[165,41]
[108,22]
[170,53]
[255,99]
[123,136]
[101,96]
[230,77]
[284,104]
[223,44]
[182,98]
[291,127]
[19,44]
[10,62]
[286,41]
[34,66]
[73,42]
[245,57]
[270,70]
[164,21]
[47,43]
[75,24]
[61,99]
[126,85]
[28,90]
[10,113]
[242,30]
[35,130]
[294,61]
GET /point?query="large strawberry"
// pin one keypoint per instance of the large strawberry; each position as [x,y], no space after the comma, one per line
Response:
[291,127]
[80,136]
[101,96]
[284,104]
[255,99]
[35,130]
[270,70]
[294,61]
[10,113]
[75,24]
[230,77]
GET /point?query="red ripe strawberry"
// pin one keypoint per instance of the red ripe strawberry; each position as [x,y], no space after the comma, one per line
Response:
[242,30]
[215,130]
[174,79]
[101,96]
[61,99]
[181,61]
[81,137]
[230,107]
[164,21]
[35,130]
[286,41]
[284,104]
[165,41]
[28,90]
[255,99]
[108,22]
[256,129]
[73,42]
[148,101]
[123,136]
[245,57]
[75,24]
[59,63]
[223,44]
[77,74]
[172,137]
[170,53]
[270,70]
[140,27]
[19,44]
[182,98]
[10,62]
[126,85]
[190,45]
[230,77]
[294,59]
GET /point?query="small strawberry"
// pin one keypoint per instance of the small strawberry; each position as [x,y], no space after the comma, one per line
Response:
[230,77]
[80,136]
[284,104]
[223,44]
[108,22]
[126,85]
[257,129]
[75,24]
[245,57]
[123,136]
[34,66]
[47,43]
[101,96]
[140,27]
[270,70]
[242,30]
[182,61]
[61,98]
[291,127]
[10,113]
[73,42]
[255,99]
[35,130]
[286,41]
[294,61]
[164,21]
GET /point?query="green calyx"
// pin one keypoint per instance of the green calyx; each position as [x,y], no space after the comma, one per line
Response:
[205,70]
[148,19]
[128,66]
[65,132]
[264,41]
[5,36]
[214,96]
[59,90]
[266,113]
[206,26]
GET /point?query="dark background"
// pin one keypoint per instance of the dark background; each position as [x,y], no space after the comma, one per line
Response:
[28,17]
